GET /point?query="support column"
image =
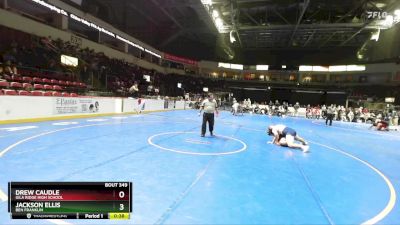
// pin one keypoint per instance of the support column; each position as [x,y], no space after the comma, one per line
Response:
[64,23]
[299,78]
[328,77]
[4,4]
[60,21]
[126,47]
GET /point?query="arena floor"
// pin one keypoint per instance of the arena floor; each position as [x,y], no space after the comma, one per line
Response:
[350,176]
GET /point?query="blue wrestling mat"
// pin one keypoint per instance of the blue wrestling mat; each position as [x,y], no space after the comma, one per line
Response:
[350,176]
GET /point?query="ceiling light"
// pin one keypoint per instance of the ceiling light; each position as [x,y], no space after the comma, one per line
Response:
[389,21]
[320,68]
[375,35]
[396,16]
[215,14]
[219,23]
[305,68]
[206,2]
[360,56]
[380,5]
[262,67]
[231,37]
[355,67]
[337,68]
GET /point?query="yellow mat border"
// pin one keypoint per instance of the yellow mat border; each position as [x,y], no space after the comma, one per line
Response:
[70,117]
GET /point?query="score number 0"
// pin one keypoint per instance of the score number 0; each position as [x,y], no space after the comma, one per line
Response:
[121,194]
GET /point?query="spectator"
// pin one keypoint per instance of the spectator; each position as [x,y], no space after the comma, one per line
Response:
[134,89]
[2,77]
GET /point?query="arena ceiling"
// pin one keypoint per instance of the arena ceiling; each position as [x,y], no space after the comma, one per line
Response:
[186,27]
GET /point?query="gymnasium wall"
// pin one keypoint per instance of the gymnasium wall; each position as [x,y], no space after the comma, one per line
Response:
[291,96]
[29,107]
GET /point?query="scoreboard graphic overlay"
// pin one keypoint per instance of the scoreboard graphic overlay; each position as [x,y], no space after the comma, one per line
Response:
[70,200]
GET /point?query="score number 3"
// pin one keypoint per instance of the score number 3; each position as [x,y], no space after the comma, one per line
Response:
[121,194]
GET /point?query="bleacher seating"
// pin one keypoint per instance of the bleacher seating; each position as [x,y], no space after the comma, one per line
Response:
[23,92]
[23,85]
[8,78]
[46,81]
[48,93]
[16,78]
[15,85]
[27,79]
[47,87]
[37,93]
[57,88]
[38,86]
[27,86]
[37,80]
[57,94]
[4,84]
[10,92]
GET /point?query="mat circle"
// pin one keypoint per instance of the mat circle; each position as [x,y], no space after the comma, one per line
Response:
[180,151]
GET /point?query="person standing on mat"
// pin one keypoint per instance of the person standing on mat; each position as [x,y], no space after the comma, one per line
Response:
[286,137]
[329,115]
[209,105]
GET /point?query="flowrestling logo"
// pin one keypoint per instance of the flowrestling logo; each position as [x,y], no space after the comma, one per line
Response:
[377,15]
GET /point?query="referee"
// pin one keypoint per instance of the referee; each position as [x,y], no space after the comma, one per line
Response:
[330,113]
[209,106]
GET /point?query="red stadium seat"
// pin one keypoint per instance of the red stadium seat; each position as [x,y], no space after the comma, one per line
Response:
[57,88]
[37,80]
[4,84]
[7,77]
[61,82]
[68,83]
[27,85]
[65,94]
[82,85]
[23,92]
[75,83]
[74,95]
[10,92]
[23,72]
[16,78]
[37,93]
[37,86]
[1,92]
[48,93]
[27,79]
[48,87]
[46,81]
[56,93]
[16,85]
[54,81]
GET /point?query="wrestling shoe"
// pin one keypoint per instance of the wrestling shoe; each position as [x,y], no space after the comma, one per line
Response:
[305,148]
